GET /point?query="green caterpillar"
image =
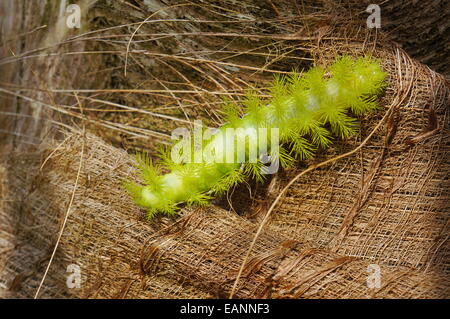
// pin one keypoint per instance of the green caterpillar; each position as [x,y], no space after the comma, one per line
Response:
[302,114]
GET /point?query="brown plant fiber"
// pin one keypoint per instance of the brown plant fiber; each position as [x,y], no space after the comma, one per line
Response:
[384,205]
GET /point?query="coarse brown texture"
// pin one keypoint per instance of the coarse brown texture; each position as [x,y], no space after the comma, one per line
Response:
[36,57]
[421,28]
[376,204]
[279,268]
[104,230]
[385,205]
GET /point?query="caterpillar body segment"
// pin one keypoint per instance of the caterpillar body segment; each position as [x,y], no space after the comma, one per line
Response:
[303,114]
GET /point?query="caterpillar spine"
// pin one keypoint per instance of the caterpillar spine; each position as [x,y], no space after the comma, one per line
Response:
[306,110]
